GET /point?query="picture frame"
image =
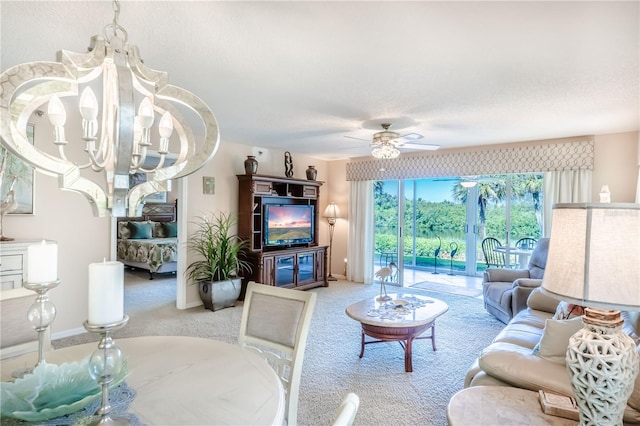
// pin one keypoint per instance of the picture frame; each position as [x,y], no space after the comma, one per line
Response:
[18,176]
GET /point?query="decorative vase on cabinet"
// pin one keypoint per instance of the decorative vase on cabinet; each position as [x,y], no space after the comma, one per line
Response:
[251,165]
[312,173]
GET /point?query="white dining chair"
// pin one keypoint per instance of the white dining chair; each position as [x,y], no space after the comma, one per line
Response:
[347,410]
[275,325]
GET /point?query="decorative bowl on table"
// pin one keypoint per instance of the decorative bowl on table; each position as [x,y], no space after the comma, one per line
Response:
[52,391]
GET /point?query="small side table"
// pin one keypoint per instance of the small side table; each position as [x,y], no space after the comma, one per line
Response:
[499,405]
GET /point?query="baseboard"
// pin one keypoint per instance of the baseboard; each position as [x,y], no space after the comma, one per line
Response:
[193,305]
[68,333]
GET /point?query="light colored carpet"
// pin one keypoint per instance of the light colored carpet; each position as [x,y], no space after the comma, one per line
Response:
[331,367]
[444,288]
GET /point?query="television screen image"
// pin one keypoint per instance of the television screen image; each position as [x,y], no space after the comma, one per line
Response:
[288,224]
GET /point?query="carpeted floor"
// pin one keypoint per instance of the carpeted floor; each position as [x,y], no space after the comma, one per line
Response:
[444,288]
[331,367]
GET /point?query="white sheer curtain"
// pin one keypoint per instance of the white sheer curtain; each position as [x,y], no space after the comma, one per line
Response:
[564,186]
[360,246]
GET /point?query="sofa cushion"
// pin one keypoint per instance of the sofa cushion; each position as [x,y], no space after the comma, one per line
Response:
[519,367]
[523,335]
[555,339]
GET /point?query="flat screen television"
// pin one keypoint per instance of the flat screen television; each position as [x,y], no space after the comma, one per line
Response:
[288,224]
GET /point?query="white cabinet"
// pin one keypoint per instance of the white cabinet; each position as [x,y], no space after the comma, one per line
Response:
[13,262]
[16,334]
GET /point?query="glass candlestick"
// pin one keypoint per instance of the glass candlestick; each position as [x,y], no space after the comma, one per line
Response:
[41,313]
[104,365]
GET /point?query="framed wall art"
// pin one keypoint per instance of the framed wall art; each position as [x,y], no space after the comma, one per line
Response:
[17,180]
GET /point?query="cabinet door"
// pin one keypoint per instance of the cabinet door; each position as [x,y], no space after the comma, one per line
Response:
[306,267]
[320,264]
[285,267]
[268,270]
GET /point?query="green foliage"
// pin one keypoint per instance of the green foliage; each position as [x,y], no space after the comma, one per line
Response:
[223,255]
[447,219]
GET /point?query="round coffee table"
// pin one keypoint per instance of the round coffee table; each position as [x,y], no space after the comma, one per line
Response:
[499,405]
[398,327]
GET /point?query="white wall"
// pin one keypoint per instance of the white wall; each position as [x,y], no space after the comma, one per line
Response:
[616,165]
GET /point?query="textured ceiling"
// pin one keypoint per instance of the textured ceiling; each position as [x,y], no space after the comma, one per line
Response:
[303,75]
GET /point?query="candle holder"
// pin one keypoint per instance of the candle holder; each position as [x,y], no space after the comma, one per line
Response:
[104,365]
[40,316]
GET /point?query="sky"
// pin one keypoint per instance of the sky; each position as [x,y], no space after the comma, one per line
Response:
[433,190]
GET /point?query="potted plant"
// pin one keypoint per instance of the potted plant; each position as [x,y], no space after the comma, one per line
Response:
[223,259]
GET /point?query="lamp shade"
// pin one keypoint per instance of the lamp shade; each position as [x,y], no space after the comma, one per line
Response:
[332,211]
[594,255]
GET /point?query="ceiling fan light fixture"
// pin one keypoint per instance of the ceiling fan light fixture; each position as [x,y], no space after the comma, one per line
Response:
[385,151]
[468,183]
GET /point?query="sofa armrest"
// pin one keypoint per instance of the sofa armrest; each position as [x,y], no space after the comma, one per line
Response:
[540,301]
[519,367]
[527,282]
[520,294]
[505,275]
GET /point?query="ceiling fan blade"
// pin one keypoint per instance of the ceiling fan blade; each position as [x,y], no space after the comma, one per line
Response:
[427,147]
[360,139]
[409,137]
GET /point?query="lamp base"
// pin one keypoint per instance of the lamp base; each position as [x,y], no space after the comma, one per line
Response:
[603,363]
[331,278]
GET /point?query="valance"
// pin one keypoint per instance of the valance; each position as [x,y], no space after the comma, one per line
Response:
[517,159]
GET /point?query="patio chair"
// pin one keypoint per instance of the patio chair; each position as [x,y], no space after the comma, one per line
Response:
[526,243]
[275,325]
[491,256]
[348,410]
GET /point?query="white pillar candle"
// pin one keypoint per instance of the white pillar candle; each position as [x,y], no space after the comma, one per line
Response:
[42,263]
[106,293]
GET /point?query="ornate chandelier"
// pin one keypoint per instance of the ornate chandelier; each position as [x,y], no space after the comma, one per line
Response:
[120,100]
[385,151]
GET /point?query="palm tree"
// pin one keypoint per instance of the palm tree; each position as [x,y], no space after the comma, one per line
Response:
[524,184]
[491,189]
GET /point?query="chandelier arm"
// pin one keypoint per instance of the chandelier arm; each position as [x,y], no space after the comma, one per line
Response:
[212,135]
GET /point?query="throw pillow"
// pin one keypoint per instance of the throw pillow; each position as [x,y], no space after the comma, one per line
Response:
[140,230]
[170,229]
[566,310]
[555,339]
[123,230]
[157,230]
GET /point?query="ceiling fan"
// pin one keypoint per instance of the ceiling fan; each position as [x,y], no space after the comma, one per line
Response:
[386,143]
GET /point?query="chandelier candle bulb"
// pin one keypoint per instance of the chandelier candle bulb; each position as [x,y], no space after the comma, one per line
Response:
[106,293]
[42,266]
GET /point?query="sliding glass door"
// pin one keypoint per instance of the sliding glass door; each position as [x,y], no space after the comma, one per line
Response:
[438,224]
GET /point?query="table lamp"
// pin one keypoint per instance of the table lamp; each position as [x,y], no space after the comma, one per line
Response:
[593,261]
[332,213]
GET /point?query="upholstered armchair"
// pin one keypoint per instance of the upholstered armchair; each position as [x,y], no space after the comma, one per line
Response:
[505,291]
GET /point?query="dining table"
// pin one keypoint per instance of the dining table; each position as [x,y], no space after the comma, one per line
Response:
[186,380]
[523,254]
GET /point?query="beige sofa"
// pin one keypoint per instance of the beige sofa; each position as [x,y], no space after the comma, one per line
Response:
[510,360]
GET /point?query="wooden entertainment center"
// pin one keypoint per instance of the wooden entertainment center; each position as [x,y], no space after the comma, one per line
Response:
[291,265]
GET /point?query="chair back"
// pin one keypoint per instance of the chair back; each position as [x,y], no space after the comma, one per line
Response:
[347,410]
[491,256]
[538,259]
[526,243]
[275,324]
